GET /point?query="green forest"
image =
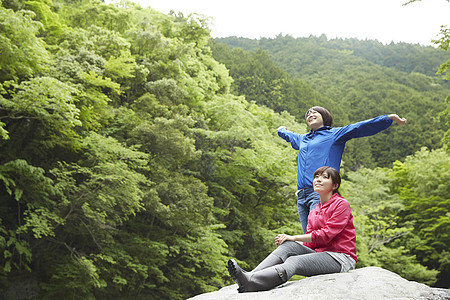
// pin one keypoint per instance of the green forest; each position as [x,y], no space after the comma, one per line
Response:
[138,154]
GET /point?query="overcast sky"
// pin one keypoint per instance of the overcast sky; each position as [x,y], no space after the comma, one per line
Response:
[382,20]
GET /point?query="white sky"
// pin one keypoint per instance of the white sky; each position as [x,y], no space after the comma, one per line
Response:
[382,20]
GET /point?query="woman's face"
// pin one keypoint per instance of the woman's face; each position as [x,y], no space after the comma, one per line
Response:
[323,184]
[314,119]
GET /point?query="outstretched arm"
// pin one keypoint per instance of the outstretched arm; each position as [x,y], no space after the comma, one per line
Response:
[397,119]
[289,136]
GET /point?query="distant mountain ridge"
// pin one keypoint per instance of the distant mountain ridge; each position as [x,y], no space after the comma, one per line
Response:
[420,59]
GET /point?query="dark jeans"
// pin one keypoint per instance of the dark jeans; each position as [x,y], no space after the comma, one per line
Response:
[306,202]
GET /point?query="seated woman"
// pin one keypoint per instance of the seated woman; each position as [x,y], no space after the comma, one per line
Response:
[329,245]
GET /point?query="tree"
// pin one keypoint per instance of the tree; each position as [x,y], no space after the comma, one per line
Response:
[444,44]
[40,114]
[422,183]
[379,225]
[23,54]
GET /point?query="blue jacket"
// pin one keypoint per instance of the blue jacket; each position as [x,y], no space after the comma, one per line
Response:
[324,147]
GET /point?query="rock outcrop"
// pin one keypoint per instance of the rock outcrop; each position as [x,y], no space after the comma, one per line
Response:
[365,283]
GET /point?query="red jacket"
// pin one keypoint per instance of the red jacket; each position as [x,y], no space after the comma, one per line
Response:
[331,227]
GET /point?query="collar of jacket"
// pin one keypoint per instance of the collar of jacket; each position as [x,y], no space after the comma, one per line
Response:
[331,200]
[311,133]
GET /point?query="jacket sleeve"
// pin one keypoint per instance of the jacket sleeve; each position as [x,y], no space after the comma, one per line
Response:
[334,225]
[290,137]
[310,245]
[363,128]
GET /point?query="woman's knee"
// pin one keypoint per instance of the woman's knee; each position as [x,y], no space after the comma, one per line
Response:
[284,250]
[288,249]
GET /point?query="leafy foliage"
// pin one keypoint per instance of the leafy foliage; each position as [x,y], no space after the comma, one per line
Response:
[23,53]
[132,165]
[424,189]
[444,44]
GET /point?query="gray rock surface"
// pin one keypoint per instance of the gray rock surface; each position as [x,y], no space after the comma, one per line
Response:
[365,283]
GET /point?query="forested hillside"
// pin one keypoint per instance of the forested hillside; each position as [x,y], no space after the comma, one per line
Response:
[132,166]
[355,80]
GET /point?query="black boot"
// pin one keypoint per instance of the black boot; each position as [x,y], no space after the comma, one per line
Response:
[271,260]
[238,275]
[262,280]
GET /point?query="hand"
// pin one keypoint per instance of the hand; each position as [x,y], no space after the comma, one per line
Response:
[397,119]
[281,127]
[281,238]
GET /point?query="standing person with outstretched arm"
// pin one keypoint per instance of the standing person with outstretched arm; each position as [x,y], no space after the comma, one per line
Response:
[324,146]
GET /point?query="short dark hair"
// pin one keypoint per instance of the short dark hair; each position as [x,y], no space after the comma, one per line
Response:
[333,173]
[326,115]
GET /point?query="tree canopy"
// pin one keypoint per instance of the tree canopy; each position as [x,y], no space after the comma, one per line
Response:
[137,155]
